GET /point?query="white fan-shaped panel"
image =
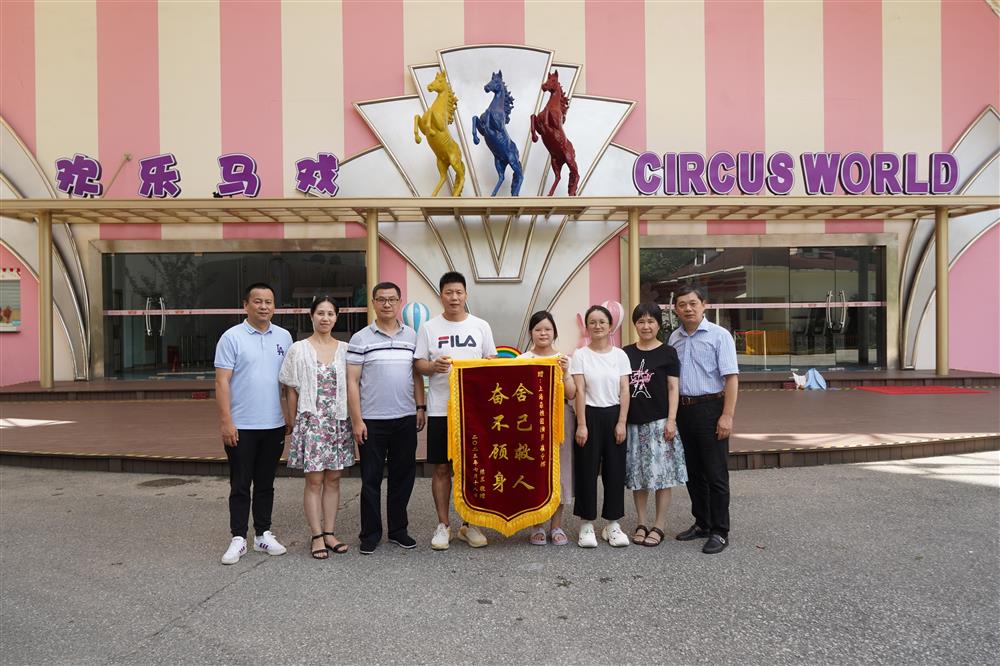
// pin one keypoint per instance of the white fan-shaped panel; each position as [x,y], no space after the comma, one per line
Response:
[27,179]
[972,151]
[612,175]
[469,69]
[371,174]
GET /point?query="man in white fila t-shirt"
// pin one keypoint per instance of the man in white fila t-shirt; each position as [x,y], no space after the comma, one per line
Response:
[454,334]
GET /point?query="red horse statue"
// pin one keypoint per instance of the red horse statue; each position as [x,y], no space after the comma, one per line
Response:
[549,124]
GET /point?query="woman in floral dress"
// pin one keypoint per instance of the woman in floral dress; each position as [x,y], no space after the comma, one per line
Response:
[322,445]
[655,459]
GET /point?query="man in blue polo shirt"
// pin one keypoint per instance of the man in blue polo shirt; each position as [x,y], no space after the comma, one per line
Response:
[386,402]
[708,385]
[251,410]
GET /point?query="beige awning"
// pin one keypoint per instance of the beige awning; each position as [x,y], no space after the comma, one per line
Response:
[316,210]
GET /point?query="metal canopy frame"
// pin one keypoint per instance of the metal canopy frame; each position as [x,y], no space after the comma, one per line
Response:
[369,212]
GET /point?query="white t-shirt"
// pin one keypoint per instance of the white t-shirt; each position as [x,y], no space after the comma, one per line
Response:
[467,339]
[601,372]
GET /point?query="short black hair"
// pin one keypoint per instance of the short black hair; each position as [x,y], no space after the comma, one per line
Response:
[320,300]
[387,285]
[690,289]
[598,308]
[451,277]
[538,318]
[647,309]
[256,285]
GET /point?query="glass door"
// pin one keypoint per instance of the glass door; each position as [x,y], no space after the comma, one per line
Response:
[838,315]
[168,310]
[787,307]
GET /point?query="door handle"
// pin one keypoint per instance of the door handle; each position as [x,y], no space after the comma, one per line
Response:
[829,314]
[843,311]
[149,324]
[163,316]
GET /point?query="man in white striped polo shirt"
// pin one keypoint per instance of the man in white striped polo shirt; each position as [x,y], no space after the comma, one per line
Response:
[385,399]
[708,385]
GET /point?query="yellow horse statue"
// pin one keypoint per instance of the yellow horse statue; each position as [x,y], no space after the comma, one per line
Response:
[434,124]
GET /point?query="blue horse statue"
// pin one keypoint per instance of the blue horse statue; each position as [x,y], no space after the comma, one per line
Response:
[492,124]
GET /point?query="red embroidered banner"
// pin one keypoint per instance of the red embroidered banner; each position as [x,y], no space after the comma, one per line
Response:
[505,424]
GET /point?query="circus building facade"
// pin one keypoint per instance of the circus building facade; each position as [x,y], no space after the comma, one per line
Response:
[786,157]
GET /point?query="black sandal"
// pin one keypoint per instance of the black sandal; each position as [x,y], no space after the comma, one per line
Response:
[339,549]
[657,531]
[320,554]
[636,539]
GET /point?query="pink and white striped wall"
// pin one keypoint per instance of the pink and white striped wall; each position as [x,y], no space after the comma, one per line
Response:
[276,79]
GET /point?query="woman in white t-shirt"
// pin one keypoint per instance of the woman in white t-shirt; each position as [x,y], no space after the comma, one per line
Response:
[542,328]
[601,373]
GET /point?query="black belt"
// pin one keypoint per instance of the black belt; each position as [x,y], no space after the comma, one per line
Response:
[697,399]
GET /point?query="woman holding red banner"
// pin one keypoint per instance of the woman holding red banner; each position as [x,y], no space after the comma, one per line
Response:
[542,328]
[655,458]
[601,373]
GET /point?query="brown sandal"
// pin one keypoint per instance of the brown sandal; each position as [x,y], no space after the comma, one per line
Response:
[320,554]
[649,535]
[339,549]
[640,540]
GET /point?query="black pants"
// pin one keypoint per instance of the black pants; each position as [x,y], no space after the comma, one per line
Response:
[707,465]
[394,440]
[253,461]
[600,455]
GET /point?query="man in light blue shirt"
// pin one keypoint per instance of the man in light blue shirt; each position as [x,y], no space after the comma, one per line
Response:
[251,405]
[708,385]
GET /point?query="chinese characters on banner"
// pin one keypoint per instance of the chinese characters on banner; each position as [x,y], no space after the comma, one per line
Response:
[505,424]
[160,176]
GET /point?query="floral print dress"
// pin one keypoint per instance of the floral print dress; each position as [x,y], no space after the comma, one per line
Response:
[320,441]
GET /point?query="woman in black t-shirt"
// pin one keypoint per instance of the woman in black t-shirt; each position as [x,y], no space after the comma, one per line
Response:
[655,458]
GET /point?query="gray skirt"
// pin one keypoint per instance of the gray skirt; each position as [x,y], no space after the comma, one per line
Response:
[652,462]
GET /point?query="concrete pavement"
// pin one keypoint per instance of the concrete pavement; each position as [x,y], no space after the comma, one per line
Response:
[894,562]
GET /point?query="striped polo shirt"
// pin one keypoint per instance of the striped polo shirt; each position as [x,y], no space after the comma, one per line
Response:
[706,357]
[386,370]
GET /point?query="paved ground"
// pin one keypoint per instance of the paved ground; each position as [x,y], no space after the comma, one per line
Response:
[883,562]
[765,420]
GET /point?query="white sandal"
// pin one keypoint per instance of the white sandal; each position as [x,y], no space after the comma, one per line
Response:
[537,537]
[587,537]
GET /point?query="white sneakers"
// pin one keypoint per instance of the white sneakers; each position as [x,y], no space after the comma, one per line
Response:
[613,534]
[471,535]
[266,543]
[587,537]
[237,549]
[441,538]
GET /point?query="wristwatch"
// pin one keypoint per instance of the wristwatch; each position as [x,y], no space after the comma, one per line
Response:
[422,408]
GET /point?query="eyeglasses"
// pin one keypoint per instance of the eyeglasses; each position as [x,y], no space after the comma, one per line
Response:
[384,301]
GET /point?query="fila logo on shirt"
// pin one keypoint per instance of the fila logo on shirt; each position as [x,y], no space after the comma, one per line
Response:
[454,341]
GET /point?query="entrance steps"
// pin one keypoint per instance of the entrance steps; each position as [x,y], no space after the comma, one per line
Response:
[193,389]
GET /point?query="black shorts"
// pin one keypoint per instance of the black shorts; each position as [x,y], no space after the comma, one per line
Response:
[437,440]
